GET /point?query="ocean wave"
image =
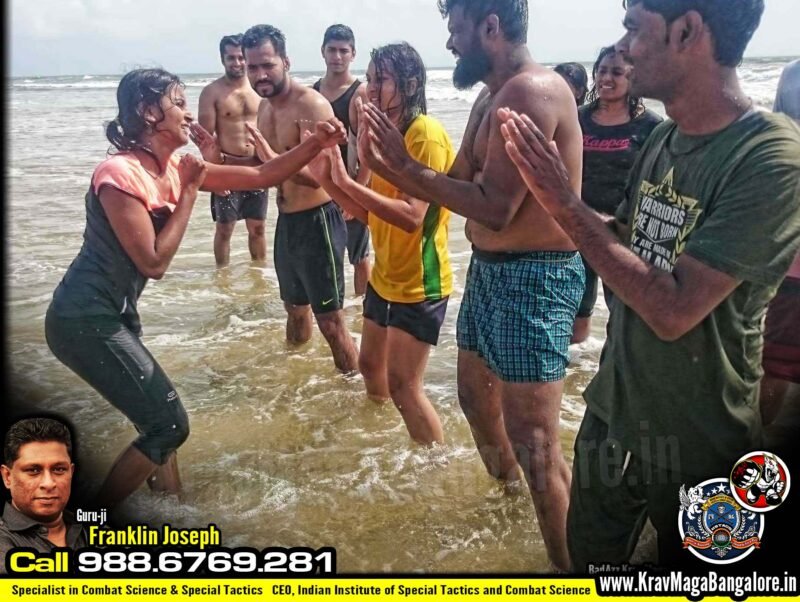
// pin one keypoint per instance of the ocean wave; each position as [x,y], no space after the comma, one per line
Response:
[61,86]
[450,94]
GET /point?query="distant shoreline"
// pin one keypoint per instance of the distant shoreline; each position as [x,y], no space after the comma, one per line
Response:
[786,58]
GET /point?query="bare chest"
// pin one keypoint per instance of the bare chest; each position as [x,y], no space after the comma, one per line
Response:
[238,105]
[280,129]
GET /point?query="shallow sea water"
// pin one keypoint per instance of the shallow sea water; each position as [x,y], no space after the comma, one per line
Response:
[284,451]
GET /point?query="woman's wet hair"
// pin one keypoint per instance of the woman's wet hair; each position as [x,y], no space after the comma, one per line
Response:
[635,103]
[732,22]
[138,90]
[405,65]
[576,75]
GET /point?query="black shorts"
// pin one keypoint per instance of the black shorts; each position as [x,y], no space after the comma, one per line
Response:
[245,204]
[589,299]
[112,359]
[357,241]
[421,320]
[309,257]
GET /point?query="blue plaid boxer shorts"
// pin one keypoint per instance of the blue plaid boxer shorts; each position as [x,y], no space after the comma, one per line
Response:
[518,310]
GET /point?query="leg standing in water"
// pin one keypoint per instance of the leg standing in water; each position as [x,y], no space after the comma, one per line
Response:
[692,262]
[615,126]
[310,234]
[227,105]
[406,299]
[137,210]
[503,220]
[132,234]
[342,89]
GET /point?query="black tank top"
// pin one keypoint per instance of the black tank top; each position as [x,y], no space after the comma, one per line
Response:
[341,108]
[103,280]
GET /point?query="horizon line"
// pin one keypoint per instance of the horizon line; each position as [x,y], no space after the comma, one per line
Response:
[434,68]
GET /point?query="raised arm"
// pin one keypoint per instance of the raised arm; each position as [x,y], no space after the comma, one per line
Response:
[204,136]
[278,169]
[207,110]
[407,213]
[359,98]
[321,168]
[130,220]
[671,303]
[361,172]
[494,200]
[314,108]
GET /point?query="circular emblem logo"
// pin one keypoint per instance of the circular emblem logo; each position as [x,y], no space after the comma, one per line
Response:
[760,481]
[714,526]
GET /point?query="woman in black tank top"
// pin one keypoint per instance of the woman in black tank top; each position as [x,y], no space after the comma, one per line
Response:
[137,211]
[615,126]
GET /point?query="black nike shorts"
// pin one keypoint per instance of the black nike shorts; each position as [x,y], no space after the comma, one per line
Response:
[309,257]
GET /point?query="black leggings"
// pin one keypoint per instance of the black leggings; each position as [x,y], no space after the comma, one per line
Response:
[112,359]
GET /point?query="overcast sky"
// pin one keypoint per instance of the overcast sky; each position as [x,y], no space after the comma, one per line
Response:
[74,37]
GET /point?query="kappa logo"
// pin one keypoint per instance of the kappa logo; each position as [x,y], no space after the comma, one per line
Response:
[714,526]
[760,481]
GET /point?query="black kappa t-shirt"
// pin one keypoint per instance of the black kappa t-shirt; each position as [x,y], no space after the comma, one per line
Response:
[609,152]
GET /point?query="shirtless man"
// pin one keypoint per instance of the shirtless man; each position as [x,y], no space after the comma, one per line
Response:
[525,280]
[341,88]
[310,235]
[226,105]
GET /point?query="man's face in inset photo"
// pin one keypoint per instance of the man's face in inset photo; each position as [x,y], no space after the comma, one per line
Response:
[40,479]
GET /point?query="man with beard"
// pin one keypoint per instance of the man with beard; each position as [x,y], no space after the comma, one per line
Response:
[526,279]
[342,89]
[311,234]
[709,225]
[227,105]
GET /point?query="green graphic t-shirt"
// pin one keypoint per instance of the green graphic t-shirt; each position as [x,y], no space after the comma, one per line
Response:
[732,201]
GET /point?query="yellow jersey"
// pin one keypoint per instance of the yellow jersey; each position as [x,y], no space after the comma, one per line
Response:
[414,267]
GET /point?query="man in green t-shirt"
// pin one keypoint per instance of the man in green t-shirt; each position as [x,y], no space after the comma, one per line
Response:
[708,228]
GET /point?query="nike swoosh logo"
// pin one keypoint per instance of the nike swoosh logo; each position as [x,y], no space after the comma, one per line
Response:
[328,302]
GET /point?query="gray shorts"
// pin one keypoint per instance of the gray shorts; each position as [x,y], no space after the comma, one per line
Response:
[245,204]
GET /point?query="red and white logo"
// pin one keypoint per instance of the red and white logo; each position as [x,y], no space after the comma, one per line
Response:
[760,481]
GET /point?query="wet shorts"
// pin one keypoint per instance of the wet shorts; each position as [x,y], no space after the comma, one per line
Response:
[782,333]
[357,241]
[112,359]
[309,257]
[246,204]
[518,311]
[421,320]
[589,299]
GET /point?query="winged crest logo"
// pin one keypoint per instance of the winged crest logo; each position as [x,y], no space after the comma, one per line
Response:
[714,526]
